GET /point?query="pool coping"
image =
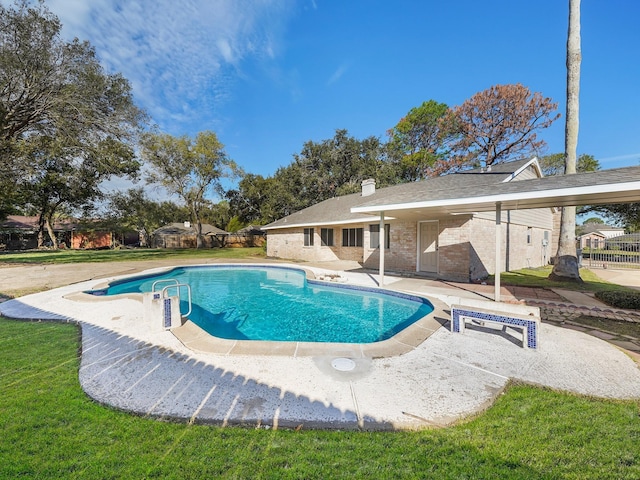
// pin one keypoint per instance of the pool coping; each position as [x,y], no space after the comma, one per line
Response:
[196,339]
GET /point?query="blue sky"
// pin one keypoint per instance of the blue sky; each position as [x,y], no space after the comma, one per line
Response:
[269,75]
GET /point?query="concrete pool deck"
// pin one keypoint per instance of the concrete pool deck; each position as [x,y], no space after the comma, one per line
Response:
[128,364]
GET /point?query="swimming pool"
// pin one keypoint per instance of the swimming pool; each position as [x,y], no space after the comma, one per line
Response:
[281,304]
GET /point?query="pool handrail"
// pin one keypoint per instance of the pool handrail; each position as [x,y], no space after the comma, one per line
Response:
[177,286]
[163,280]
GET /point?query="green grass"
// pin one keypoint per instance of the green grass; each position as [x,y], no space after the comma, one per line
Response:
[122,255]
[537,278]
[601,252]
[50,429]
[619,327]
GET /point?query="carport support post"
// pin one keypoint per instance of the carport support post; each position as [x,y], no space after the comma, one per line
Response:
[496,295]
[383,242]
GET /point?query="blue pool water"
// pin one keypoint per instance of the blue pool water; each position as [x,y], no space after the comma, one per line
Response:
[275,303]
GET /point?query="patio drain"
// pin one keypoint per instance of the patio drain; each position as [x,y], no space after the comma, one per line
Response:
[343,364]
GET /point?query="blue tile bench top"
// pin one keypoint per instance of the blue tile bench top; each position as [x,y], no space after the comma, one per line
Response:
[530,322]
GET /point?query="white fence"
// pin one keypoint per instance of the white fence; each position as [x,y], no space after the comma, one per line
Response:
[617,252]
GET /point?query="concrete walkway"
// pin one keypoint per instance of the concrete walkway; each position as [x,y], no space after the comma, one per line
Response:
[127,363]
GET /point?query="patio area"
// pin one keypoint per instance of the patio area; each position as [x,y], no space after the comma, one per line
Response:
[128,365]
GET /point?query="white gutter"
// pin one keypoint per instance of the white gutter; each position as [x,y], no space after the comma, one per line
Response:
[326,223]
[508,197]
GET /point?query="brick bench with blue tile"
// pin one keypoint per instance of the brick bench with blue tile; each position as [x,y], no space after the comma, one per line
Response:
[518,316]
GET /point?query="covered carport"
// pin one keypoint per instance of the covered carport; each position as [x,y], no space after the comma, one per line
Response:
[621,185]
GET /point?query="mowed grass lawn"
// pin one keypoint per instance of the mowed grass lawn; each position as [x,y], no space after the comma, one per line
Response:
[43,257]
[537,278]
[50,429]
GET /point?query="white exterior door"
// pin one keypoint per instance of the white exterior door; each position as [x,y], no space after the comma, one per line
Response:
[429,246]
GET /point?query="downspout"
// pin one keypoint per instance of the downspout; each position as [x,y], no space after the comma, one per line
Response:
[498,266]
[383,242]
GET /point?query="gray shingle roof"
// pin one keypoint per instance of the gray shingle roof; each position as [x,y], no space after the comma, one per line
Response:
[599,227]
[605,186]
[337,210]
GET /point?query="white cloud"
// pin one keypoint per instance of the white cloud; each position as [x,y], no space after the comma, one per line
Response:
[630,156]
[180,56]
[337,75]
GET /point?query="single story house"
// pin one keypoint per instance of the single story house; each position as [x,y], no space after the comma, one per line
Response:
[443,244]
[595,235]
[183,235]
[18,232]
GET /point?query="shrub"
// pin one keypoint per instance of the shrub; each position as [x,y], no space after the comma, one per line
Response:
[617,299]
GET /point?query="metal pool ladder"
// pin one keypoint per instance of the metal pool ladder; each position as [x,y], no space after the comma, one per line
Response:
[164,293]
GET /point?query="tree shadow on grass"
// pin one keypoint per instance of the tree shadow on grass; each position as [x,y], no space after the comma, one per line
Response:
[139,377]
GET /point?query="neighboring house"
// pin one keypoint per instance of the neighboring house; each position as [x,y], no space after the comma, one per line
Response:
[19,232]
[595,235]
[444,245]
[249,236]
[183,235]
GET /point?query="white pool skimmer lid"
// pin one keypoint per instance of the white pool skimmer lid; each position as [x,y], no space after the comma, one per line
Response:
[343,364]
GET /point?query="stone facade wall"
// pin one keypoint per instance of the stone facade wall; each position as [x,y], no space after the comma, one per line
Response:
[401,254]
[453,248]
[289,243]
[466,247]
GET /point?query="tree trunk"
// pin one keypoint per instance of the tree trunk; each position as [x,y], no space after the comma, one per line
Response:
[199,241]
[41,230]
[52,234]
[565,266]
[566,263]
[143,238]
[195,221]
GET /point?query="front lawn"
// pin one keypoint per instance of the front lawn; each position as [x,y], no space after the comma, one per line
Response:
[50,429]
[537,278]
[125,254]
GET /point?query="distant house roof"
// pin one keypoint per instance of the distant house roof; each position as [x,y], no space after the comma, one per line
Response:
[601,228]
[30,224]
[592,234]
[251,230]
[338,210]
[187,229]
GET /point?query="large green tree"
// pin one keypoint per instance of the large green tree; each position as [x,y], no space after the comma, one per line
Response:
[335,166]
[134,210]
[190,168]
[48,85]
[626,214]
[65,124]
[253,200]
[420,139]
[219,214]
[555,164]
[61,177]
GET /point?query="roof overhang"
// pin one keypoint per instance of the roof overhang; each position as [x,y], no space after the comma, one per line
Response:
[604,193]
[364,219]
